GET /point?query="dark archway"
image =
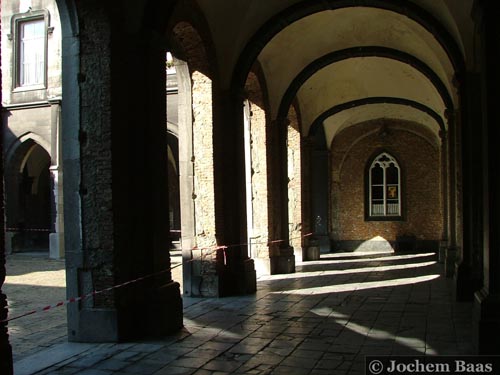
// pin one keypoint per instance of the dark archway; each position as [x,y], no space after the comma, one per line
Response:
[29,198]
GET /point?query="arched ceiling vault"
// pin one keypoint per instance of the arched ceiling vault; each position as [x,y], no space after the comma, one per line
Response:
[286,37]
[364,77]
[347,54]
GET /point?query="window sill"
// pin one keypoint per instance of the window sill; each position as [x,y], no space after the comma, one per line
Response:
[384,218]
[29,88]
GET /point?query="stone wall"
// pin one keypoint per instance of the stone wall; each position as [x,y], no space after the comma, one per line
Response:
[418,154]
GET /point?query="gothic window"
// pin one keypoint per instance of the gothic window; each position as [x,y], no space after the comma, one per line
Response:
[384,188]
[29,36]
[31,52]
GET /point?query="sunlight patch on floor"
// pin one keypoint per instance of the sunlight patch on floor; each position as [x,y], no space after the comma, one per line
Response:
[350,287]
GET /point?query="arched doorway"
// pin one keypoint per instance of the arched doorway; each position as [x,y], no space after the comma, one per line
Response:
[29,200]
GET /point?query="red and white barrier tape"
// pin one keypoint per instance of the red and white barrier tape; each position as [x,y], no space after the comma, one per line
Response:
[85,296]
[27,230]
[94,293]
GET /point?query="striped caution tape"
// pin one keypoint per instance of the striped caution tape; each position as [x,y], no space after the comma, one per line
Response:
[94,293]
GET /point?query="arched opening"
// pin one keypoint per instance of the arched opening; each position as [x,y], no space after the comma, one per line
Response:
[29,199]
[190,104]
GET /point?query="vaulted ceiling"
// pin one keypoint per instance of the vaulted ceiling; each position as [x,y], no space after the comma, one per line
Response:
[346,62]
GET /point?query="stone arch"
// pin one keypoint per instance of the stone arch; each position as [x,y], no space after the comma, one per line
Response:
[29,200]
[305,8]
[357,52]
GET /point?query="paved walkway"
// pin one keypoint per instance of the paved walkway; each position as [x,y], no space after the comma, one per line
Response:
[323,319]
[33,280]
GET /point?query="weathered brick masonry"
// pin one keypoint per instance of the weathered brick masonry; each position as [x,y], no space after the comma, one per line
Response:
[419,157]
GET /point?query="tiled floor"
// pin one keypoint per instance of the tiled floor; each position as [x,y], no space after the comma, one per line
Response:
[324,319]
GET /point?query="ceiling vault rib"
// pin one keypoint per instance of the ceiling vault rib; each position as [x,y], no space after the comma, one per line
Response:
[357,52]
[318,122]
[279,22]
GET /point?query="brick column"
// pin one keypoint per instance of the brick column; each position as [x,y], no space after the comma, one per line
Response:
[5,348]
[281,253]
[452,195]
[236,270]
[320,190]
[123,190]
[468,268]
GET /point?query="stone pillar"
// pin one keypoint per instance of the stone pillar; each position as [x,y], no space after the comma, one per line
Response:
[6,366]
[468,266]
[443,244]
[320,190]
[282,258]
[56,240]
[236,270]
[452,195]
[116,207]
[487,300]
[306,146]
[5,348]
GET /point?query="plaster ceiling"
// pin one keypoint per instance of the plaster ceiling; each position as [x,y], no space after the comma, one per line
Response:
[300,42]
[322,33]
[336,123]
[357,78]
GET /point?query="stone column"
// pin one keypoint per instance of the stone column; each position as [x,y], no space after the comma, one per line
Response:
[452,195]
[282,258]
[468,266]
[6,366]
[117,225]
[487,300]
[444,195]
[235,269]
[320,190]
[56,241]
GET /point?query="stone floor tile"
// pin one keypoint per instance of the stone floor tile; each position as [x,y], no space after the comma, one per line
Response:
[146,347]
[172,370]
[144,367]
[287,370]
[95,372]
[299,362]
[112,365]
[189,362]
[274,333]
[222,365]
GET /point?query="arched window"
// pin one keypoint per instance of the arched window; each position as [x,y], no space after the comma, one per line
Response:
[384,187]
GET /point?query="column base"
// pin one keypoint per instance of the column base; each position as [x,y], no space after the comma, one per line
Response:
[284,262]
[311,253]
[449,261]
[9,238]
[141,312]
[486,323]
[262,266]
[465,284]
[443,246]
[6,363]
[56,245]
[238,280]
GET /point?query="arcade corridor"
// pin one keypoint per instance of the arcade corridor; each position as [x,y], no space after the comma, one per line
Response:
[298,128]
[378,303]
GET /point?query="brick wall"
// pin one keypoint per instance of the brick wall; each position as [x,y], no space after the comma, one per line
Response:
[254,94]
[95,141]
[418,154]
[294,182]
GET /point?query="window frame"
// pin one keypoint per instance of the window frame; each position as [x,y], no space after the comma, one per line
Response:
[369,216]
[16,22]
